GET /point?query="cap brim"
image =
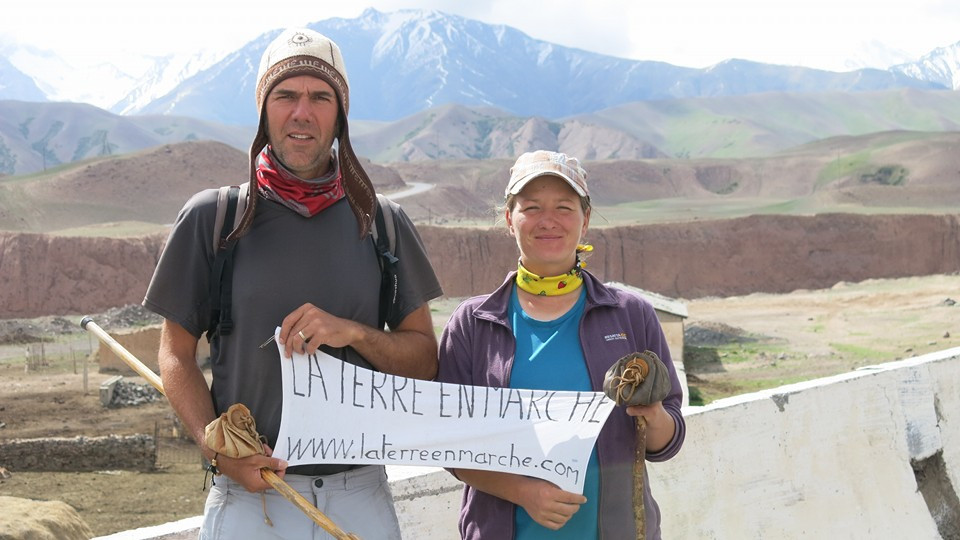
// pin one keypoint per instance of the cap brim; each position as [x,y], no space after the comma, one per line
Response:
[518,186]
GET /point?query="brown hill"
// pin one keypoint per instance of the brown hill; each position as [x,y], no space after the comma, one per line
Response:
[890,169]
[147,186]
[890,172]
[146,183]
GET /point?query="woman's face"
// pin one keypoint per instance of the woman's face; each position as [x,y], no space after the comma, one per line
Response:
[548,222]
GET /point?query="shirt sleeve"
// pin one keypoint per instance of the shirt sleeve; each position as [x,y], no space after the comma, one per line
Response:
[180,287]
[417,283]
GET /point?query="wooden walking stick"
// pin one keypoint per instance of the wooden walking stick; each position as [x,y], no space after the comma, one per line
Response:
[269,476]
[638,379]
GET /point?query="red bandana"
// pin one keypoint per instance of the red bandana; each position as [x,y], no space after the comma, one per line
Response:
[305,197]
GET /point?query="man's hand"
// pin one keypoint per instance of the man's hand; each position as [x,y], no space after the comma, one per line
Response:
[407,350]
[246,471]
[308,327]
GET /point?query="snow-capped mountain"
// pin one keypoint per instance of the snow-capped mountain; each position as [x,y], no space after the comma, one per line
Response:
[407,61]
[14,84]
[165,74]
[403,62]
[122,86]
[875,54]
[941,66]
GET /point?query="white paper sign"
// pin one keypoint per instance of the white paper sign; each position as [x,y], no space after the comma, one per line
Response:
[334,412]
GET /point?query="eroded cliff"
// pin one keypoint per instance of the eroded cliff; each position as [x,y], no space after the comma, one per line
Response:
[49,275]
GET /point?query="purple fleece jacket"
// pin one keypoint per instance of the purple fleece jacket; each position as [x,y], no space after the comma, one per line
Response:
[477,348]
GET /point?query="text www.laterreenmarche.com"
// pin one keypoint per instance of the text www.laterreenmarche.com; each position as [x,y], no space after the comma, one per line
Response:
[337,448]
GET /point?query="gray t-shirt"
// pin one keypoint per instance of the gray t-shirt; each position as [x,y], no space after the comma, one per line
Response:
[284,261]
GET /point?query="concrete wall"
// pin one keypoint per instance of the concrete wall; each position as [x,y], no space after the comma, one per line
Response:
[873,453]
[851,456]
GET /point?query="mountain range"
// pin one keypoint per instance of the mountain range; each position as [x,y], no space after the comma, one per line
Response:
[427,85]
[407,61]
[39,136]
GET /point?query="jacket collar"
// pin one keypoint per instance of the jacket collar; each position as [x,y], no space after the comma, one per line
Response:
[494,307]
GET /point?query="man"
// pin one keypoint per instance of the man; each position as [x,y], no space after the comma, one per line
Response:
[303,260]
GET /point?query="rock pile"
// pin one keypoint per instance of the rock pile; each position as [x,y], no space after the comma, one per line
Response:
[127,316]
[713,334]
[24,518]
[128,394]
[23,331]
[18,332]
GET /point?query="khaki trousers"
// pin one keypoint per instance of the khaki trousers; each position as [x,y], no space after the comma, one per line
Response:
[358,501]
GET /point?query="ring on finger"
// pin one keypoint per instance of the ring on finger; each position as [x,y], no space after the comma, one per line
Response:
[303,337]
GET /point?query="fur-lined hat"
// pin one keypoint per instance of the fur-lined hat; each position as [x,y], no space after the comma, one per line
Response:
[305,52]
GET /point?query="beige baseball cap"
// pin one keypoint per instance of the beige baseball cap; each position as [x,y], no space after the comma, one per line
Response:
[531,165]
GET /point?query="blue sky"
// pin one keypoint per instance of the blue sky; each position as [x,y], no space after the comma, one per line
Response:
[835,35]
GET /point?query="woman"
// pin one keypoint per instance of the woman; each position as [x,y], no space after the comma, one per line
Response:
[554,326]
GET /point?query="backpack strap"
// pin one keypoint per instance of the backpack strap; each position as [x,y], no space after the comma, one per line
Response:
[238,204]
[384,241]
[231,202]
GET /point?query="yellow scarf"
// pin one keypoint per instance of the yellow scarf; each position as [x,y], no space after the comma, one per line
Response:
[553,285]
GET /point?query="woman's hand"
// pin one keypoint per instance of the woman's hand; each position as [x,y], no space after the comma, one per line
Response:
[652,413]
[660,425]
[547,504]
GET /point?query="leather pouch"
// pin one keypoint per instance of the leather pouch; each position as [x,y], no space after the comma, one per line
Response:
[637,379]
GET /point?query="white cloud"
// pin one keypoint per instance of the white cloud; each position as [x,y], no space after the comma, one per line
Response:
[816,33]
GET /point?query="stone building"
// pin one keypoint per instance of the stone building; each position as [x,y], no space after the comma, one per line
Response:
[142,343]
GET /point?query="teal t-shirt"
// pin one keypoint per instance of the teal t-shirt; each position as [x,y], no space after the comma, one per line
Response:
[549,357]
